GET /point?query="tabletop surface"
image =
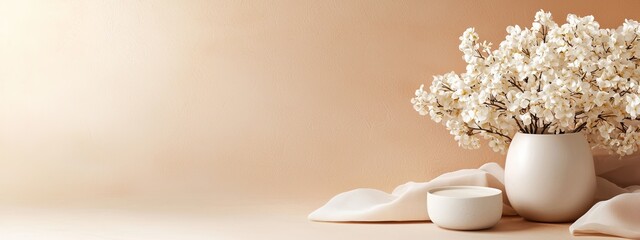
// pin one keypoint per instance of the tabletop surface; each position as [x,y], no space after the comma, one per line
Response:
[236,221]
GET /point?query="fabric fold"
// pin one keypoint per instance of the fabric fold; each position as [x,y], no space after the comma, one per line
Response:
[618,216]
[617,212]
[408,201]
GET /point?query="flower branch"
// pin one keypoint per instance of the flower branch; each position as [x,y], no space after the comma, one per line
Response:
[545,79]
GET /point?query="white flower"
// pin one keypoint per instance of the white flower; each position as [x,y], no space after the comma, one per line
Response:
[526,118]
[633,105]
[546,79]
[605,130]
[420,100]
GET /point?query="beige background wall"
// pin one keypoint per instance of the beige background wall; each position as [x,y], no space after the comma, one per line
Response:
[283,100]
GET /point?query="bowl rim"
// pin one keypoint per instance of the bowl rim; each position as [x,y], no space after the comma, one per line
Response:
[491,192]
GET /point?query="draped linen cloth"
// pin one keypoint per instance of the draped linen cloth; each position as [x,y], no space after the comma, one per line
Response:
[616,210]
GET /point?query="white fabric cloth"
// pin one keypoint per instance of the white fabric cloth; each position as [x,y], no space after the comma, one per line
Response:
[618,216]
[617,213]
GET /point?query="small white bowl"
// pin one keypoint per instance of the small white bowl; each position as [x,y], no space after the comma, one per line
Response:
[465,207]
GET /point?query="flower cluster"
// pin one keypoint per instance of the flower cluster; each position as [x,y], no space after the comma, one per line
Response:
[546,79]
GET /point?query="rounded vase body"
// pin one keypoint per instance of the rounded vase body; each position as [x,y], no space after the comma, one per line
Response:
[550,178]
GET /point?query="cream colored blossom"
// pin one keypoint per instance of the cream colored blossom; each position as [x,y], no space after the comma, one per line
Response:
[543,79]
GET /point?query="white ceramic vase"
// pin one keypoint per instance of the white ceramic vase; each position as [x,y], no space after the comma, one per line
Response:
[550,178]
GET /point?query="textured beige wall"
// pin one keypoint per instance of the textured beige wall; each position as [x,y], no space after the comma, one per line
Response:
[269,99]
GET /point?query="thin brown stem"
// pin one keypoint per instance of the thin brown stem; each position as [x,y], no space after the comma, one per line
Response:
[522,129]
[490,132]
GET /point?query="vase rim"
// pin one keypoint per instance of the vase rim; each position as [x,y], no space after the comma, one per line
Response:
[548,135]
